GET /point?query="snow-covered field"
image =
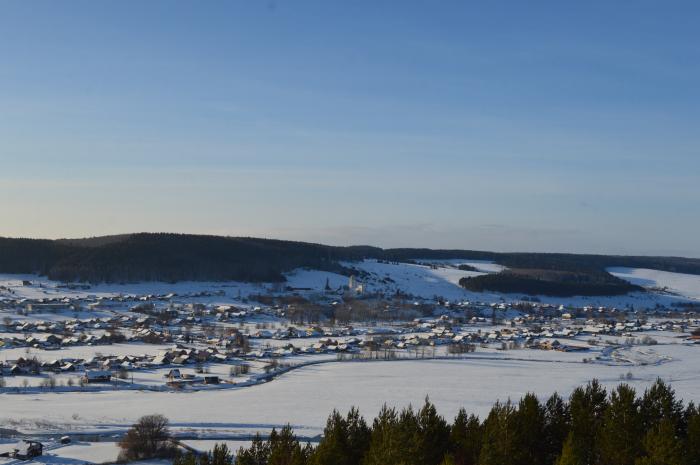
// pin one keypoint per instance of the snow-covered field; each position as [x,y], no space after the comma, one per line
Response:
[687,285]
[305,396]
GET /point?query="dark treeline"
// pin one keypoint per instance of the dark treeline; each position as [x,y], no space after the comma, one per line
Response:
[591,428]
[169,257]
[550,282]
[179,257]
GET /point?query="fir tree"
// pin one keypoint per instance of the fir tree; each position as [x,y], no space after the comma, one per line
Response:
[408,431]
[433,435]
[692,418]
[285,448]
[659,403]
[498,446]
[221,455]
[661,446]
[333,448]
[465,439]
[570,455]
[556,427]
[587,406]
[257,454]
[529,431]
[620,435]
[385,445]
[358,436]
[186,459]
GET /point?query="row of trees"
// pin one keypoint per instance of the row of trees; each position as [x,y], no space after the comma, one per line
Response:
[591,428]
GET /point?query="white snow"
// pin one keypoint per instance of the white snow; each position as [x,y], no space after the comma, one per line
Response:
[304,397]
[686,285]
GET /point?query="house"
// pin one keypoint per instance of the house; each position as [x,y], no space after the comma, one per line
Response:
[173,374]
[26,450]
[97,376]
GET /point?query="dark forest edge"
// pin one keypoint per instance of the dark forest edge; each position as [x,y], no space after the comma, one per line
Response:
[550,282]
[181,257]
[593,427]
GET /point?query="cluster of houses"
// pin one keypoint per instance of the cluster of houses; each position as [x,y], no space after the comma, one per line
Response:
[95,369]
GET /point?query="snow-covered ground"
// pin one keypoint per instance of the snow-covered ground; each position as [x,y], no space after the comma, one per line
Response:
[426,280]
[441,278]
[686,285]
[83,352]
[304,397]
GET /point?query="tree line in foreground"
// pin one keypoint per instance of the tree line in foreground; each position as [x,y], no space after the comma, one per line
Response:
[592,427]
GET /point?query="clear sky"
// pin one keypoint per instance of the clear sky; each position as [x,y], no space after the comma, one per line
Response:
[547,126]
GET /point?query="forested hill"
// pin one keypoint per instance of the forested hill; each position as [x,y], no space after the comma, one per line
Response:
[180,257]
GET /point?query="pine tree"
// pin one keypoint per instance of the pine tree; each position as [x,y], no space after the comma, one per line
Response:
[358,436]
[692,419]
[557,421]
[221,455]
[498,446]
[257,454]
[661,445]
[408,431]
[587,406]
[385,445]
[465,439]
[285,448]
[570,455]
[186,459]
[659,403]
[529,431]
[433,435]
[620,435]
[333,449]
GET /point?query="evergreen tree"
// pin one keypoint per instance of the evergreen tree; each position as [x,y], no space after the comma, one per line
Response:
[692,442]
[358,436]
[465,439]
[433,435]
[570,454]
[333,449]
[587,406]
[385,445]
[408,431]
[661,445]
[659,403]
[186,459]
[285,448]
[529,431]
[498,446]
[221,455]
[620,435]
[556,427]
[257,454]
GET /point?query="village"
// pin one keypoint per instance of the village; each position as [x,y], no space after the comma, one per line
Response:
[206,340]
[84,341]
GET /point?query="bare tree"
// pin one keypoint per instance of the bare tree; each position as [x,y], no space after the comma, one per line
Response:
[149,437]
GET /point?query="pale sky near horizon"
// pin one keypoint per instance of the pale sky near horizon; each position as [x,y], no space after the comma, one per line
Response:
[512,126]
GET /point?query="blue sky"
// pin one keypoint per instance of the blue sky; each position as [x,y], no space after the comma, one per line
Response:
[548,126]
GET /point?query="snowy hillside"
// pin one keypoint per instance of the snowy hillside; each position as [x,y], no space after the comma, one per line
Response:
[685,285]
